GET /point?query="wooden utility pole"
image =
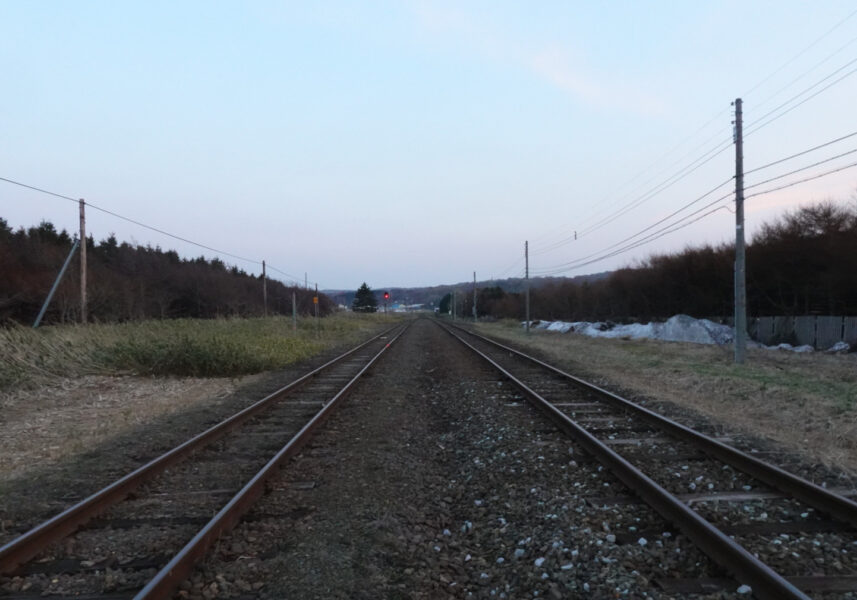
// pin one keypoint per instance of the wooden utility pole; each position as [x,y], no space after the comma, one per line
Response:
[740,257]
[315,302]
[264,289]
[294,313]
[527,280]
[83,315]
[474,297]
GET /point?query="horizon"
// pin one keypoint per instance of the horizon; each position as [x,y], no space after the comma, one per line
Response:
[417,142]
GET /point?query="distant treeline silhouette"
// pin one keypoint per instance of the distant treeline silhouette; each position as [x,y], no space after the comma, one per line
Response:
[127,282]
[804,263]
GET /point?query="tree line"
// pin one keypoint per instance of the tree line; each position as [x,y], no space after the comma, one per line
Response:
[130,282]
[801,264]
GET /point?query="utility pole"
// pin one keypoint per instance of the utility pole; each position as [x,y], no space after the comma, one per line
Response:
[527,279]
[740,257]
[315,302]
[264,289]
[306,282]
[294,312]
[82,261]
[453,305]
[474,297]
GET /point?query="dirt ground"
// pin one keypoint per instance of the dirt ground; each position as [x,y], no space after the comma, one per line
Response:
[41,427]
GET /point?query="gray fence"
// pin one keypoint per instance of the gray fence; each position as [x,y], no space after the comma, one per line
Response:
[816,331]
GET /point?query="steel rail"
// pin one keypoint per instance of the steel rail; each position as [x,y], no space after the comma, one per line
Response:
[28,545]
[766,583]
[167,580]
[837,506]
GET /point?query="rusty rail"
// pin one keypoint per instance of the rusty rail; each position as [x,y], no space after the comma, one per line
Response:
[25,547]
[766,583]
[167,580]
[831,503]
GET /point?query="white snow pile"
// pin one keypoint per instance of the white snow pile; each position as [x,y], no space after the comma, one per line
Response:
[679,328]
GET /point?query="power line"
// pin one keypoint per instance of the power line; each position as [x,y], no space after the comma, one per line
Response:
[632,205]
[648,168]
[292,277]
[813,149]
[805,100]
[644,198]
[144,225]
[599,256]
[821,162]
[30,187]
[663,232]
[675,178]
[794,183]
[655,224]
[801,53]
[684,222]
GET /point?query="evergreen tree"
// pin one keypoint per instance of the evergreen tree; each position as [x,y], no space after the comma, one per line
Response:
[444,304]
[364,300]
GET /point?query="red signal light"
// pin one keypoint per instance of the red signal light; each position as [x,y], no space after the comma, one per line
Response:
[386,295]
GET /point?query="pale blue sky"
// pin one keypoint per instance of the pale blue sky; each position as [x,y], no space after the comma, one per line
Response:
[410,143]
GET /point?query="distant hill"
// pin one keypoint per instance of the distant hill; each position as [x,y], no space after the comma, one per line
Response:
[431,296]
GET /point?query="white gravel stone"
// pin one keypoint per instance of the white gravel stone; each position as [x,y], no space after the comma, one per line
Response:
[539,561]
[744,589]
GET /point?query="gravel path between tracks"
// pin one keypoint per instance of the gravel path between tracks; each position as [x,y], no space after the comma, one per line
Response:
[435,480]
[805,403]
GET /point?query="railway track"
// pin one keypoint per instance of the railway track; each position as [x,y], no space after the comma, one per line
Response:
[778,535]
[141,535]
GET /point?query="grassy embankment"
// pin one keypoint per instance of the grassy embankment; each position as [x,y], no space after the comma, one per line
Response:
[185,347]
[807,402]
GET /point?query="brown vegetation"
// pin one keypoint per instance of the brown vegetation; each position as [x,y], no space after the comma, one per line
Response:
[128,282]
[801,264]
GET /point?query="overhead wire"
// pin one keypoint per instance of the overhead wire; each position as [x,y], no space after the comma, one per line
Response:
[794,183]
[807,151]
[656,162]
[664,185]
[750,126]
[617,248]
[801,53]
[655,224]
[816,164]
[640,200]
[600,255]
[144,225]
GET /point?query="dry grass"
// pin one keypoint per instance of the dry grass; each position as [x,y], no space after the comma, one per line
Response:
[64,390]
[806,402]
[70,416]
[184,347]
